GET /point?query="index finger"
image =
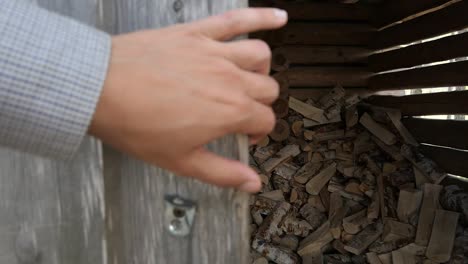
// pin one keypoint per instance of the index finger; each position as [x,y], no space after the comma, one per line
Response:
[240,21]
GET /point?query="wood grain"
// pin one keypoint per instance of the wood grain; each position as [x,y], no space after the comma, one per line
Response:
[136,229]
[53,212]
[433,51]
[448,133]
[425,104]
[442,75]
[448,19]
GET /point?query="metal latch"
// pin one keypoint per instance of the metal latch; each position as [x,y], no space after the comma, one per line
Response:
[179,215]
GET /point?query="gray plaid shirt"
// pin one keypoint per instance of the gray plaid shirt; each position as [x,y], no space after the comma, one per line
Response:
[52,70]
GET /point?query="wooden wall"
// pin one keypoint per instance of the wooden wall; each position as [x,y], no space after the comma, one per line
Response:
[105,207]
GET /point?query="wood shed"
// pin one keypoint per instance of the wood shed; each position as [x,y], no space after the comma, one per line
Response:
[105,207]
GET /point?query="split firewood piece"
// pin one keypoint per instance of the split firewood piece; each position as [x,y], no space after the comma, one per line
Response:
[281,156]
[306,110]
[293,226]
[351,196]
[394,230]
[340,259]
[430,204]
[351,117]
[313,258]
[428,261]
[316,202]
[420,178]
[378,130]
[335,186]
[395,117]
[264,205]
[403,257]
[308,134]
[276,195]
[333,97]
[333,111]
[262,154]
[306,172]
[381,191]
[277,254]
[443,236]
[363,239]
[392,151]
[308,123]
[337,212]
[280,183]
[380,247]
[256,217]
[330,135]
[280,131]
[263,142]
[374,208]
[338,245]
[329,155]
[271,224]
[425,165]
[353,187]
[372,258]
[286,170]
[260,260]
[356,222]
[414,249]
[352,100]
[343,155]
[280,107]
[316,240]
[289,241]
[325,198]
[371,164]
[297,128]
[315,184]
[409,202]
[386,258]
[363,144]
[312,215]
[305,146]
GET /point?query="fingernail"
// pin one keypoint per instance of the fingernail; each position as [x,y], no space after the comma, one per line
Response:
[250,186]
[280,13]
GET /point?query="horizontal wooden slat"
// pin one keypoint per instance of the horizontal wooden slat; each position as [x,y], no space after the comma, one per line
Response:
[324,77]
[318,34]
[284,56]
[396,10]
[454,180]
[316,93]
[442,75]
[307,10]
[449,133]
[449,19]
[451,160]
[427,52]
[425,104]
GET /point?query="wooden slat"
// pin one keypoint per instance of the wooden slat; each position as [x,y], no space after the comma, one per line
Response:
[324,77]
[318,34]
[53,211]
[451,160]
[284,56]
[317,11]
[442,75]
[425,104]
[316,93]
[446,20]
[433,51]
[449,133]
[454,180]
[396,10]
[136,228]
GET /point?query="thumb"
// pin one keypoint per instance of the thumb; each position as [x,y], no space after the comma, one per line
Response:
[211,168]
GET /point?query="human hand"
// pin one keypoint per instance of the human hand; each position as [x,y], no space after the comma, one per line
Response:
[171,91]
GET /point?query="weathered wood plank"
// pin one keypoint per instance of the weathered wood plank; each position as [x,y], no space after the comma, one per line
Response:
[318,34]
[318,11]
[442,75]
[448,19]
[425,104]
[284,56]
[451,160]
[324,77]
[396,10]
[51,211]
[449,133]
[136,227]
[433,51]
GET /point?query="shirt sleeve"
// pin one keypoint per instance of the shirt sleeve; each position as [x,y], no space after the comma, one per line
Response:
[52,70]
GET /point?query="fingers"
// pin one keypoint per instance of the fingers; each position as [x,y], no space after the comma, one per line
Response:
[211,168]
[249,55]
[262,88]
[240,21]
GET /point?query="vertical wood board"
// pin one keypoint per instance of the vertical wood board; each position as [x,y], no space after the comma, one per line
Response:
[135,191]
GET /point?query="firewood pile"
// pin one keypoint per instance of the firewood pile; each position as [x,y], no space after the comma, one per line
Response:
[344,182]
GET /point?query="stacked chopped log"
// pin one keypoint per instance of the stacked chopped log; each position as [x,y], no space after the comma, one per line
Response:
[348,184]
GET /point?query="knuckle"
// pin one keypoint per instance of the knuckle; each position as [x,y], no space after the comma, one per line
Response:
[270,120]
[262,50]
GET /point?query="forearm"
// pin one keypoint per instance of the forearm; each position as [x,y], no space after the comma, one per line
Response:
[52,70]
